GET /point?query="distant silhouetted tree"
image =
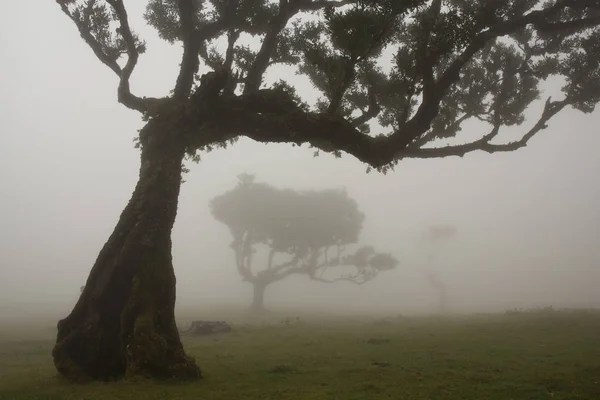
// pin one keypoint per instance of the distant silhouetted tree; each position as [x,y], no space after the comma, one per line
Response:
[431,241]
[304,233]
[414,71]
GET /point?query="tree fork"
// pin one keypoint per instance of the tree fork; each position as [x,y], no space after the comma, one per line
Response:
[123,324]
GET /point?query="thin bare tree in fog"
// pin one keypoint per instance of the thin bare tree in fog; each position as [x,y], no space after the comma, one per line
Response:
[468,60]
[304,233]
[432,241]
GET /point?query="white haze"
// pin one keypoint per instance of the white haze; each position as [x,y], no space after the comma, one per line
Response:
[528,222]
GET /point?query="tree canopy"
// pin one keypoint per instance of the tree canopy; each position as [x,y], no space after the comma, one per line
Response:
[312,230]
[413,71]
[395,77]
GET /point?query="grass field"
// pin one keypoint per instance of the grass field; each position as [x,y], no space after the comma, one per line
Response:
[525,356]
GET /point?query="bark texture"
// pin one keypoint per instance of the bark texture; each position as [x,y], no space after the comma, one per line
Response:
[123,324]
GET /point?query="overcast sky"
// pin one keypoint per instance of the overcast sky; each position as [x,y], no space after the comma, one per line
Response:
[528,221]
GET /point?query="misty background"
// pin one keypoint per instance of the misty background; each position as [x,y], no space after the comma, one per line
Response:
[528,222]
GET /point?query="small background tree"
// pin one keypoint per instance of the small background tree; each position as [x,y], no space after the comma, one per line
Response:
[432,241]
[302,232]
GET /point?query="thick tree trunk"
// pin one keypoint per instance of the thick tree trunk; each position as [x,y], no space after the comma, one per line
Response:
[123,324]
[258,298]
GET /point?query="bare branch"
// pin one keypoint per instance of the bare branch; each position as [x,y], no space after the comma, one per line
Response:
[90,39]
[432,134]
[359,278]
[281,267]
[551,108]
[284,270]
[124,94]
[356,281]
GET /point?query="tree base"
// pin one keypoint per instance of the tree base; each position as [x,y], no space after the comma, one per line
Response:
[89,353]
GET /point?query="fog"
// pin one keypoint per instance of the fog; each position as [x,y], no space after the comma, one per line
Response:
[528,222]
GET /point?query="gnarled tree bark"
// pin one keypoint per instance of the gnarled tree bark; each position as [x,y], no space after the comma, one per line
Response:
[123,324]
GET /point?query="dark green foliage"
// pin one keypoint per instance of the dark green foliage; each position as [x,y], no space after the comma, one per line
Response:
[412,70]
[310,230]
[98,17]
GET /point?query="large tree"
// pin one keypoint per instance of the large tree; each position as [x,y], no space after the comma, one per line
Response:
[416,70]
[304,233]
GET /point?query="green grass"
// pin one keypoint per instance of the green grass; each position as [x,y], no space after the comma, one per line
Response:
[544,355]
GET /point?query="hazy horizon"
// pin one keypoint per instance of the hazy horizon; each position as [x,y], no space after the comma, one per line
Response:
[528,221]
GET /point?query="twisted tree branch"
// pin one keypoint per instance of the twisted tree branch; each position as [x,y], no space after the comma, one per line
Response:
[191,47]
[551,108]
[432,98]
[287,9]
[124,95]
[372,111]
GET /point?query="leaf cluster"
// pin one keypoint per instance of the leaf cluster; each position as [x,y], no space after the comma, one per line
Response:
[416,71]
[100,19]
